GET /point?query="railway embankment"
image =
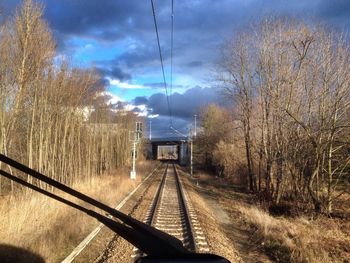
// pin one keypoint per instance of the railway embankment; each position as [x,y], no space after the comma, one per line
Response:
[258,236]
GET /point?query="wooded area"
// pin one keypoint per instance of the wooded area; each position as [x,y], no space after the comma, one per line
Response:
[288,132]
[54,117]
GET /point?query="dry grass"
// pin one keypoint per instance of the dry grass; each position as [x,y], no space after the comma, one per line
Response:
[51,229]
[300,239]
[257,234]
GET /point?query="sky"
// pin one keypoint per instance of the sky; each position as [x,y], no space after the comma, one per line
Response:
[118,38]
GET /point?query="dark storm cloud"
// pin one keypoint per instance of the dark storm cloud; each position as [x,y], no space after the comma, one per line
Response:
[140,100]
[96,17]
[200,26]
[161,127]
[104,82]
[105,20]
[114,72]
[337,8]
[184,105]
[120,18]
[195,64]
[139,56]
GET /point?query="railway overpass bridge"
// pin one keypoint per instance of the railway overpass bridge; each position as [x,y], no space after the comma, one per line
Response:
[170,148]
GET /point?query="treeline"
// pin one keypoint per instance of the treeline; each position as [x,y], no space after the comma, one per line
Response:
[289,129]
[53,117]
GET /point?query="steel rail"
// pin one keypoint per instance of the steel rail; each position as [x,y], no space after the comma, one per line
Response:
[157,197]
[186,211]
[82,245]
[183,210]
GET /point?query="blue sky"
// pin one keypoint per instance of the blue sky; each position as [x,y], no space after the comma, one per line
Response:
[118,38]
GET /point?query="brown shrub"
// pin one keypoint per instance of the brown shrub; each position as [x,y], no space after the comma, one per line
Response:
[299,239]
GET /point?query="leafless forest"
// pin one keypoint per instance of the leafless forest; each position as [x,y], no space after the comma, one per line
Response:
[54,117]
[287,136]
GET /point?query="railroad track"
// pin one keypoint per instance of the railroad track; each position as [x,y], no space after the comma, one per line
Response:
[171,211]
[168,209]
[84,243]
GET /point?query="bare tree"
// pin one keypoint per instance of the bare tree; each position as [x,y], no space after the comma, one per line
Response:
[47,109]
[238,80]
[290,83]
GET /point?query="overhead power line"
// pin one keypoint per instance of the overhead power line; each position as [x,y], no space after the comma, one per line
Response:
[171,52]
[178,132]
[161,58]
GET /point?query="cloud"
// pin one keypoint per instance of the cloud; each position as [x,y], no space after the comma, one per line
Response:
[111,98]
[93,17]
[141,110]
[195,64]
[119,104]
[152,116]
[140,54]
[184,105]
[127,28]
[338,12]
[197,39]
[200,27]
[140,100]
[113,72]
[124,85]
[161,127]
[195,20]
[160,85]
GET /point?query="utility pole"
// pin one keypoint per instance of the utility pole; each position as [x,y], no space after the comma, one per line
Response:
[195,126]
[135,141]
[150,130]
[191,154]
[191,143]
[133,171]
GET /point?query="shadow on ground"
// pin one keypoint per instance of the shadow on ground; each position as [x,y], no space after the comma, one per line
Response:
[11,254]
[222,197]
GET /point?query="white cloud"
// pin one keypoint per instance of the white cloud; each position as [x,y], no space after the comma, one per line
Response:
[142,114]
[124,85]
[140,110]
[88,46]
[152,116]
[113,98]
[143,110]
[129,107]
[142,107]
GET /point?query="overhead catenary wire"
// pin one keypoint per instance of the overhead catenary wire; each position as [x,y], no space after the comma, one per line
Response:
[161,59]
[171,62]
[171,54]
[178,132]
